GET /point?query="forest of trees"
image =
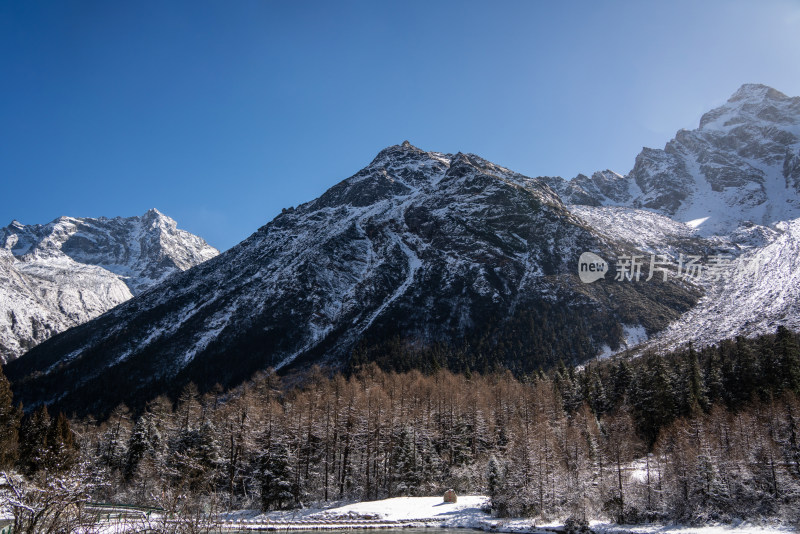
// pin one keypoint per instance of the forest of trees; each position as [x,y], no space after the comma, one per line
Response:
[691,436]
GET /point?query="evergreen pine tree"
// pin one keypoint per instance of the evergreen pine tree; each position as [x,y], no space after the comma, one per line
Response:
[715,385]
[194,457]
[33,441]
[61,449]
[744,379]
[696,397]
[405,463]
[653,403]
[9,424]
[143,441]
[276,477]
[496,482]
[788,354]
[494,476]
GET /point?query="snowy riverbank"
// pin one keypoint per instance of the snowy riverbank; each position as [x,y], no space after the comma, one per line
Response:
[413,512]
[399,512]
[469,512]
[738,528]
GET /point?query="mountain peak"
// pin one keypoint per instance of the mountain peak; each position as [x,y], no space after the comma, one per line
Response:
[754,104]
[756,92]
[405,154]
[76,268]
[741,164]
[153,217]
[607,174]
[153,213]
[403,148]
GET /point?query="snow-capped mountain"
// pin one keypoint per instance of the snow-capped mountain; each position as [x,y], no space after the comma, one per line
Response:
[421,250]
[741,164]
[58,275]
[417,249]
[736,181]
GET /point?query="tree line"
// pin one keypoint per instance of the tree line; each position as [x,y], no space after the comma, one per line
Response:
[694,435]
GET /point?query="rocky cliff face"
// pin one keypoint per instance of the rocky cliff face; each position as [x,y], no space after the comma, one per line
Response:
[59,275]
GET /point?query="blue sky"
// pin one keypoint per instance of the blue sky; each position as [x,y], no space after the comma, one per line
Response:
[219,114]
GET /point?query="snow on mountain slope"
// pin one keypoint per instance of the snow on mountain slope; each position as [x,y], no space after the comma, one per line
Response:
[416,249]
[648,231]
[741,164]
[603,188]
[59,275]
[141,251]
[763,295]
[735,183]
[750,303]
[39,299]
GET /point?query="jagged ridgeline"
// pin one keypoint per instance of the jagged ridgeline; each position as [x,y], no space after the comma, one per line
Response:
[58,275]
[418,254]
[741,164]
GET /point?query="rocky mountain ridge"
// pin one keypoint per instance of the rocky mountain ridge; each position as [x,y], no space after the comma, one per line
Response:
[741,164]
[58,275]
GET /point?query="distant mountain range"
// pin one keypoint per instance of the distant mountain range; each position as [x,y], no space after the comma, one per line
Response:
[428,253]
[741,164]
[735,182]
[64,273]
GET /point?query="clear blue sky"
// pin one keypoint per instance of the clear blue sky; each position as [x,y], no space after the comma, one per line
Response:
[221,113]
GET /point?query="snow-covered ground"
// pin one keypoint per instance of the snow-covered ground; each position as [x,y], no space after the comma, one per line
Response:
[467,512]
[739,528]
[425,512]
